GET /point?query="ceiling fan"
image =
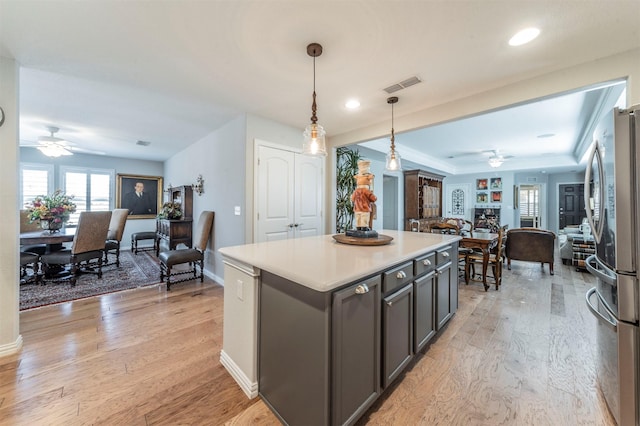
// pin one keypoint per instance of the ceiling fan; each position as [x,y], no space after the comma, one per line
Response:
[53,146]
[495,159]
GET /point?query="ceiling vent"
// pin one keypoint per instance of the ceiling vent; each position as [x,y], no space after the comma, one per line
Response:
[402,85]
[143,143]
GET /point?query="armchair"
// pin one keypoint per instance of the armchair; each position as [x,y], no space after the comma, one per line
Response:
[530,245]
[193,256]
[87,248]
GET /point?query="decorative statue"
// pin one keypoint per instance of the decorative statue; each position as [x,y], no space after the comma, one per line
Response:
[363,202]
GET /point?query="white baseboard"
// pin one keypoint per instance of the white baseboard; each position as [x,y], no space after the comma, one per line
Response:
[11,348]
[250,389]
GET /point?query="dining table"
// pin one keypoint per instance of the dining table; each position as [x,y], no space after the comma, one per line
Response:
[484,241]
[53,240]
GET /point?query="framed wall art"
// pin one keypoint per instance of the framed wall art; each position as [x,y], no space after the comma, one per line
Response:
[482,197]
[142,195]
[482,184]
[496,183]
[496,196]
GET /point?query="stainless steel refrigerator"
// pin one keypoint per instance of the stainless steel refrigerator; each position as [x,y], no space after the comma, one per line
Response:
[612,202]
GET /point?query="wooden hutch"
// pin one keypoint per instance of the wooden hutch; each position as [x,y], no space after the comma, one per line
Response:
[422,199]
[177,231]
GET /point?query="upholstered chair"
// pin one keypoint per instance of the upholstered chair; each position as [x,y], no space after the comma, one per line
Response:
[193,256]
[87,249]
[114,236]
[25,226]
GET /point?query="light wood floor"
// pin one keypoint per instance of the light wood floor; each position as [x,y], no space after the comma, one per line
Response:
[523,355]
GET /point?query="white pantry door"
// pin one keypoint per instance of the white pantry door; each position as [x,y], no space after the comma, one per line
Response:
[289,195]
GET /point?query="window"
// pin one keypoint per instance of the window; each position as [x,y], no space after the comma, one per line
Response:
[529,205]
[35,179]
[92,189]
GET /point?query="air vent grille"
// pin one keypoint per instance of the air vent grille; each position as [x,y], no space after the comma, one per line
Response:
[403,84]
[143,143]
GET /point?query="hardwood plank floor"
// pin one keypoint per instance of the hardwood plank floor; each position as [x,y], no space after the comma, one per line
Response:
[523,355]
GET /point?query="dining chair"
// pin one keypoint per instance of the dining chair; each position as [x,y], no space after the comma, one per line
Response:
[29,261]
[193,256]
[27,226]
[495,263]
[114,235]
[87,249]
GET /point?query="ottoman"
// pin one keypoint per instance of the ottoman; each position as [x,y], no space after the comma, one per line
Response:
[139,236]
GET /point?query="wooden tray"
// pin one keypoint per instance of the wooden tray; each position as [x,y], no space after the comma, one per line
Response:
[379,241]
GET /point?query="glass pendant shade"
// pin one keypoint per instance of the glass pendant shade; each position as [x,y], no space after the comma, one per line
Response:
[314,140]
[393,161]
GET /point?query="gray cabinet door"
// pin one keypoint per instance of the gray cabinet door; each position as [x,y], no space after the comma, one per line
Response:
[356,350]
[397,331]
[443,295]
[424,318]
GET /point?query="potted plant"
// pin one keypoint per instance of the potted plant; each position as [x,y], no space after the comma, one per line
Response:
[53,211]
[170,210]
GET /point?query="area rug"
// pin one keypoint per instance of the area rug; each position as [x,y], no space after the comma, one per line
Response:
[136,270]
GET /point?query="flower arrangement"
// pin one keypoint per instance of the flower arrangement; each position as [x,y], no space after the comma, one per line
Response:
[170,210]
[56,208]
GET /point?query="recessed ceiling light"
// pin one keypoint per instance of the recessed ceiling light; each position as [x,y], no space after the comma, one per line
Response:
[352,104]
[524,36]
[546,135]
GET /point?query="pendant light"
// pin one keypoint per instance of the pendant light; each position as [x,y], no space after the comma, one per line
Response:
[393,158]
[314,134]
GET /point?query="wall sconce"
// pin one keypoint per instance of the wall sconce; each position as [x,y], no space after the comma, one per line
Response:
[198,187]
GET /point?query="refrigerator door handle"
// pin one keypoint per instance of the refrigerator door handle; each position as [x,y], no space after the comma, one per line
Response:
[606,321]
[596,228]
[599,270]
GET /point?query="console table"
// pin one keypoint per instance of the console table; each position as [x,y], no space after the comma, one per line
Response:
[177,231]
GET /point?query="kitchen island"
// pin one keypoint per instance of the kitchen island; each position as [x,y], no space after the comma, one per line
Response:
[319,329]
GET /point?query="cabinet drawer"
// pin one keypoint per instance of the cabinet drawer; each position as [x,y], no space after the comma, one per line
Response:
[397,276]
[424,264]
[444,255]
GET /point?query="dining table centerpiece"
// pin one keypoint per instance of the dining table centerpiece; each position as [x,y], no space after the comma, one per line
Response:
[170,210]
[53,211]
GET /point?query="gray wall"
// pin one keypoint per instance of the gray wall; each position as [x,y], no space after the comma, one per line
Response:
[220,159]
[119,165]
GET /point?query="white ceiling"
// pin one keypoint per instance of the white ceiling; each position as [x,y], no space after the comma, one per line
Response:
[110,73]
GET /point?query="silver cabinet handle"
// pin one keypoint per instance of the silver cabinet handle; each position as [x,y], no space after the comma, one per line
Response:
[445,254]
[390,303]
[362,289]
[400,275]
[426,262]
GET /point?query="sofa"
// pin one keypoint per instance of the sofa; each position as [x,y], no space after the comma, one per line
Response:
[565,243]
[530,245]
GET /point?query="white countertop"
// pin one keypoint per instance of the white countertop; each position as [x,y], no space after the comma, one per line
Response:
[323,264]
